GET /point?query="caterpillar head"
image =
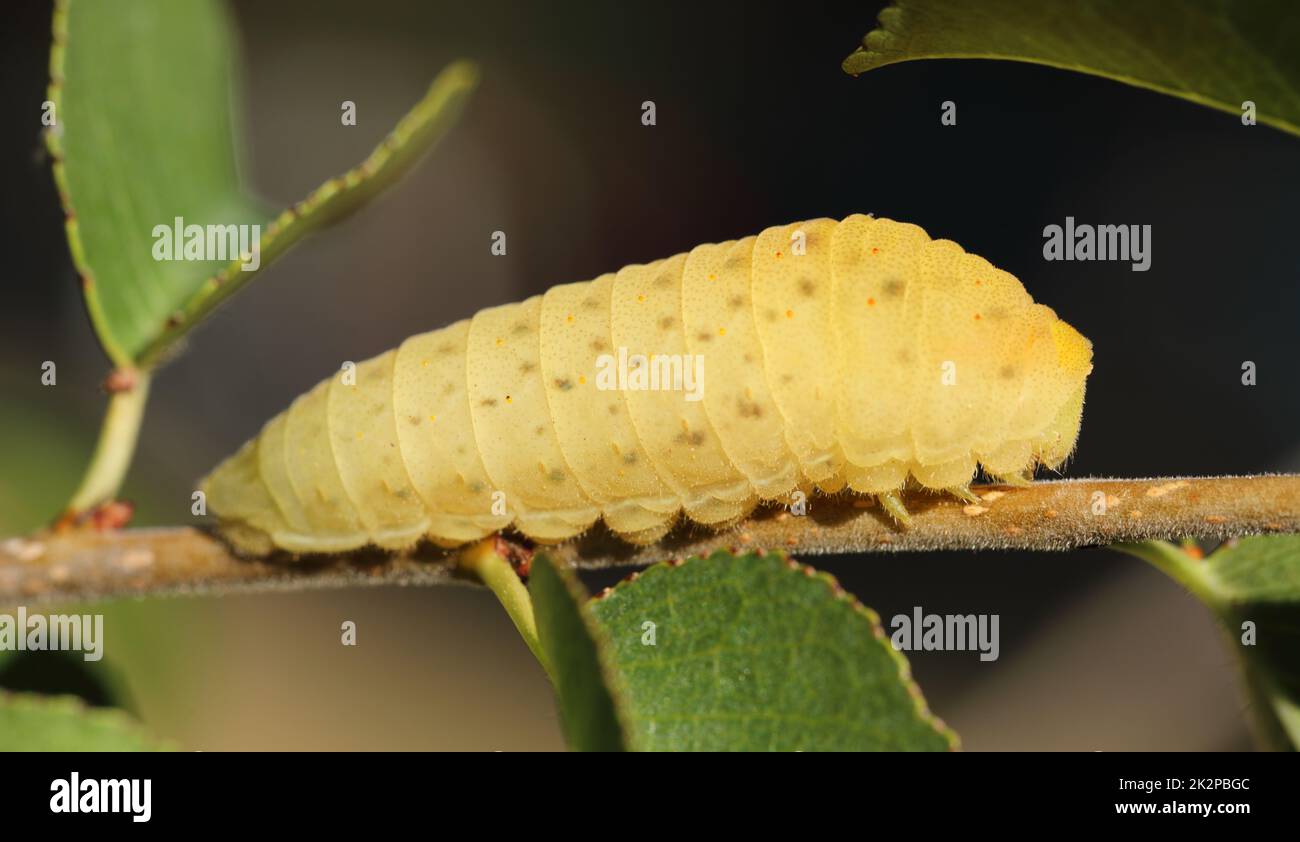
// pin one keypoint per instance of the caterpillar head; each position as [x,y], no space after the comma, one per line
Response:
[1074,362]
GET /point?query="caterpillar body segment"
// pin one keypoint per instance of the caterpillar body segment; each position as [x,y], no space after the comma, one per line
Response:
[594,428]
[435,432]
[878,303]
[819,354]
[513,426]
[793,304]
[646,317]
[720,328]
[332,519]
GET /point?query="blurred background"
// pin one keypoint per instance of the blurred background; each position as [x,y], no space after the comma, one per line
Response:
[756,125]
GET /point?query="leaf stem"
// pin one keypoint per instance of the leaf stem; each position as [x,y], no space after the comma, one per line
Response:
[117,438]
[494,571]
[1180,566]
[402,148]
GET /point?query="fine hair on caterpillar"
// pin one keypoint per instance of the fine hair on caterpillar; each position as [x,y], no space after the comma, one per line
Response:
[859,354]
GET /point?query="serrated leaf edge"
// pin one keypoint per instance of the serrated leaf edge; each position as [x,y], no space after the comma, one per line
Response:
[54,145]
[428,119]
[875,53]
[610,676]
[919,705]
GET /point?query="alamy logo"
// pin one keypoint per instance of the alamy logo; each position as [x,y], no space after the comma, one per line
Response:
[54,632]
[923,632]
[96,795]
[655,373]
[179,241]
[1099,242]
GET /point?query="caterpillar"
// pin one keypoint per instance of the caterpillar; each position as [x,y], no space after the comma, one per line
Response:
[857,354]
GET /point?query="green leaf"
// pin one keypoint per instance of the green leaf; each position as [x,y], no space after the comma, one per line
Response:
[62,723]
[66,674]
[756,652]
[1253,581]
[1257,581]
[1218,53]
[1262,569]
[146,132]
[575,648]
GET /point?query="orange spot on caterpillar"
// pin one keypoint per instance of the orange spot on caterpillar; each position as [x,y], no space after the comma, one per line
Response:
[500,342]
[778,255]
[712,277]
[569,318]
[875,250]
[871,302]
[978,282]
[789,314]
[977,317]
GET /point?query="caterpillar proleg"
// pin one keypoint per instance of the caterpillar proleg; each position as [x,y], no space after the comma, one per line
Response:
[858,354]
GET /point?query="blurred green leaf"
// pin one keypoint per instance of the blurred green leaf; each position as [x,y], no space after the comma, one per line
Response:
[1265,568]
[1253,587]
[1218,53]
[1258,582]
[41,723]
[755,652]
[66,673]
[574,645]
[146,132]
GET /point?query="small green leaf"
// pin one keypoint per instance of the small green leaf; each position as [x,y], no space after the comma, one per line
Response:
[1253,587]
[575,649]
[1217,53]
[755,652]
[62,673]
[146,132]
[61,723]
[1258,582]
[1262,569]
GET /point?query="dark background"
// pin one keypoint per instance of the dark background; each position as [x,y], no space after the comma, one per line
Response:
[757,125]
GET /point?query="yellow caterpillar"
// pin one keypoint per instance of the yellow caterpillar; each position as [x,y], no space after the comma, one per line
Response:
[831,354]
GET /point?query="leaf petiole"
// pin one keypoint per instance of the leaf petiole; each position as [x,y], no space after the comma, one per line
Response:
[117,438]
[490,567]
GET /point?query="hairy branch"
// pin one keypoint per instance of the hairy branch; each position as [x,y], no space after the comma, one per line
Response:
[1050,515]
